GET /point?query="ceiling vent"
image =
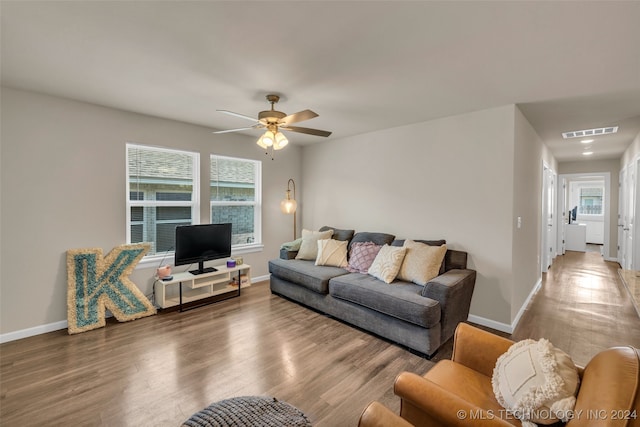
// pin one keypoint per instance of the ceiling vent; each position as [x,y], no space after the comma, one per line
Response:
[590,132]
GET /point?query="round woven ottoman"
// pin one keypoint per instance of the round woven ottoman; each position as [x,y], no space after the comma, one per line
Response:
[258,411]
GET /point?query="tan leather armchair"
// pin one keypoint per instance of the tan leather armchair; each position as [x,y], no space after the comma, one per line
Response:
[458,392]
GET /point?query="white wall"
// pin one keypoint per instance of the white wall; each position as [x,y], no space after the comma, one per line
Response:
[63,187]
[529,154]
[450,178]
[631,153]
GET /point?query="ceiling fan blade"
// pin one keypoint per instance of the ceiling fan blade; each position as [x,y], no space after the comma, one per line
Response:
[242,116]
[299,116]
[235,130]
[309,131]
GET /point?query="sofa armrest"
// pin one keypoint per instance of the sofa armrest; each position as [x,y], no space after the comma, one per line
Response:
[478,349]
[378,415]
[285,254]
[426,403]
[453,290]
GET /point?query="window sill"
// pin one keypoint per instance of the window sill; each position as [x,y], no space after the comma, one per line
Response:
[247,249]
[157,260]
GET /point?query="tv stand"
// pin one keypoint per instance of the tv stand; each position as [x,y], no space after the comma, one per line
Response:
[203,271]
[186,287]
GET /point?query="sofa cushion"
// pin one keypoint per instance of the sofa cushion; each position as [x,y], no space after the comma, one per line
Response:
[332,253]
[387,263]
[401,300]
[361,256]
[421,262]
[400,242]
[305,273]
[338,234]
[377,238]
[443,267]
[309,246]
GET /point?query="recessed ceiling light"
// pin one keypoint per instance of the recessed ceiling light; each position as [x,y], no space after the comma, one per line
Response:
[587,153]
[586,141]
[589,132]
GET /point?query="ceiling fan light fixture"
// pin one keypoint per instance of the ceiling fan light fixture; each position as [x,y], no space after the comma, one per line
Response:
[280,141]
[266,140]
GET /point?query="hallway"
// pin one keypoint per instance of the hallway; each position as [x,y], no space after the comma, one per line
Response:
[582,307]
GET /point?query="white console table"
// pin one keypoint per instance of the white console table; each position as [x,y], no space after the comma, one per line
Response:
[575,237]
[186,287]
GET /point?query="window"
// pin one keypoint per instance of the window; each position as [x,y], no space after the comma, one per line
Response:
[236,195]
[163,194]
[591,200]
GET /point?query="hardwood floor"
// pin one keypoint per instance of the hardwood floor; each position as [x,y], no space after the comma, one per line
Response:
[582,307]
[158,370]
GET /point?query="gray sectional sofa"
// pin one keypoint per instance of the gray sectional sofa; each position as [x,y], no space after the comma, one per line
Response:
[419,317]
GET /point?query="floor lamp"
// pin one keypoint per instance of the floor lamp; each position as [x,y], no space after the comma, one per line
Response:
[289,205]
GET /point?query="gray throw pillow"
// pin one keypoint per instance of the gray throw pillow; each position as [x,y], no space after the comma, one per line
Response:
[377,238]
[338,234]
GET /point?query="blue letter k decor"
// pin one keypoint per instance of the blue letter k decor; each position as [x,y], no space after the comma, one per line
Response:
[95,283]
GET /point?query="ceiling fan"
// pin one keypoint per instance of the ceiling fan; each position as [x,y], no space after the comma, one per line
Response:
[274,121]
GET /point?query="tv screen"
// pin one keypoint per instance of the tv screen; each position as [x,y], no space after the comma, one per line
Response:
[200,243]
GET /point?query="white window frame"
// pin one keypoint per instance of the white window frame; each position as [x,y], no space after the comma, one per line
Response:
[194,203]
[256,245]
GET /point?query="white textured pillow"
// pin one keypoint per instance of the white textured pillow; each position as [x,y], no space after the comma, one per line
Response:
[387,263]
[309,245]
[421,262]
[332,252]
[536,382]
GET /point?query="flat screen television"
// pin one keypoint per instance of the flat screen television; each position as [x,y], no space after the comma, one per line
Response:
[200,243]
[573,213]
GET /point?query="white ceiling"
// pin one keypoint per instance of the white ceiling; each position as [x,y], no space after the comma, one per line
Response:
[363,66]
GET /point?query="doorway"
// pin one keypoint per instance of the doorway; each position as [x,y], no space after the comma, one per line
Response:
[584,206]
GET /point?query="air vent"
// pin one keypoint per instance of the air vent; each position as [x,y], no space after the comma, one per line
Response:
[589,132]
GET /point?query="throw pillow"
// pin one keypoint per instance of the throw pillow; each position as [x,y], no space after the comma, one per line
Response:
[536,382]
[377,238]
[309,245]
[332,252]
[387,263]
[361,256]
[292,246]
[338,233]
[421,262]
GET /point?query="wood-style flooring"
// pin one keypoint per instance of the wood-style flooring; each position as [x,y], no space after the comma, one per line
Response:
[158,370]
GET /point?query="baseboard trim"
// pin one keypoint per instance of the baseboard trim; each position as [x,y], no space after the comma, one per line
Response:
[504,327]
[36,330]
[482,321]
[526,303]
[56,326]
[260,278]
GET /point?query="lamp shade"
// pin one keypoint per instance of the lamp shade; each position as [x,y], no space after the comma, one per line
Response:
[288,205]
[280,141]
[266,140]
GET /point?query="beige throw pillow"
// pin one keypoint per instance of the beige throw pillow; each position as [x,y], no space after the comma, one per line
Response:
[309,246]
[421,263]
[537,382]
[387,263]
[332,252]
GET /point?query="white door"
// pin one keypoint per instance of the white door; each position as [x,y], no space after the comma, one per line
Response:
[561,216]
[636,230]
[546,255]
[621,210]
[629,216]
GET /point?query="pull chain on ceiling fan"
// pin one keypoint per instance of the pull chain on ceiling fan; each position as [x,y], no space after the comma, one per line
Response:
[274,121]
